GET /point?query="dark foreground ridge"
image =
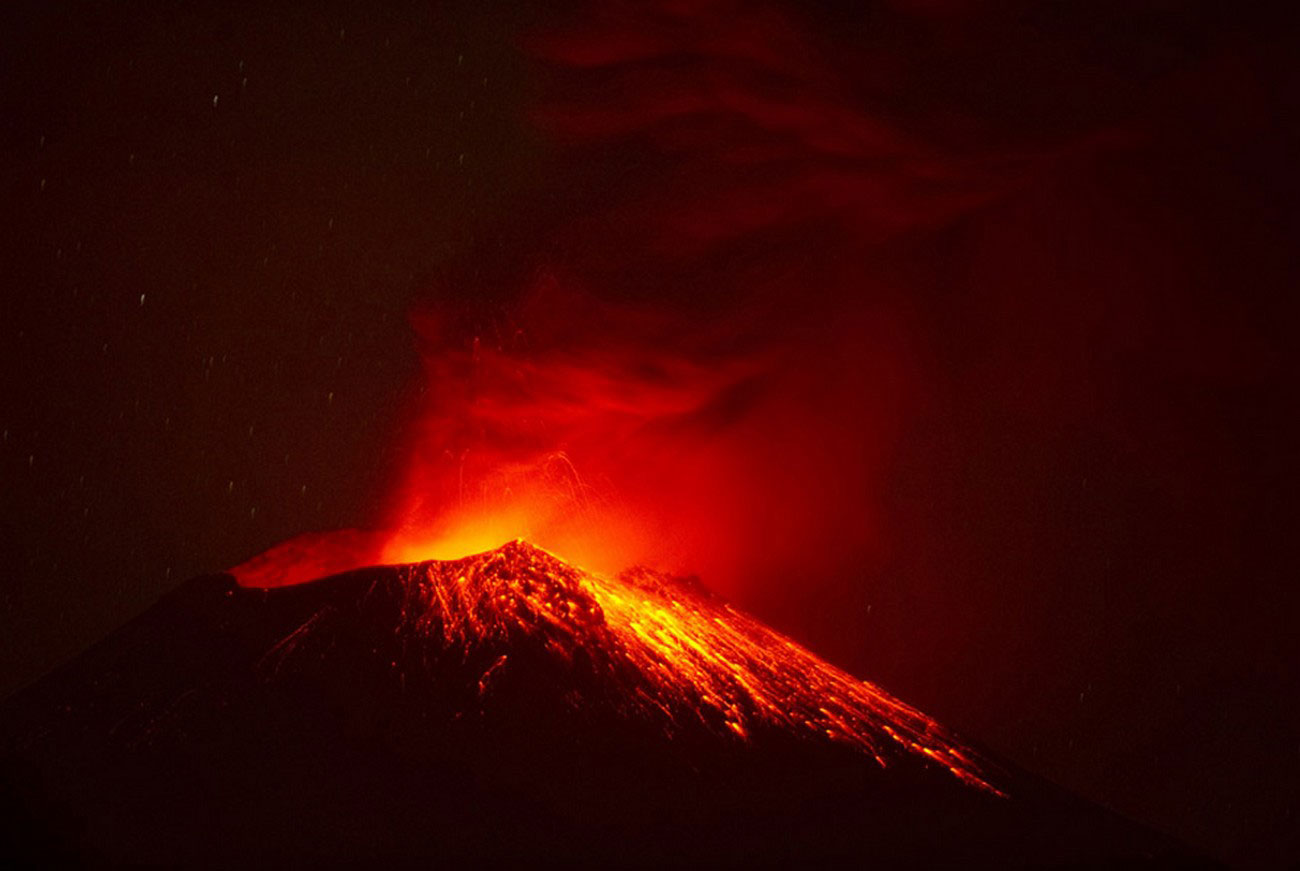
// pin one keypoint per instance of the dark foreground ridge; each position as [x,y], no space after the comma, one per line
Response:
[504,708]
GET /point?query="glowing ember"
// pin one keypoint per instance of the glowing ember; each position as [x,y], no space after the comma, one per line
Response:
[691,656]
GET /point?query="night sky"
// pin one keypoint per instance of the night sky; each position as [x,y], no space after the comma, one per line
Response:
[218,224]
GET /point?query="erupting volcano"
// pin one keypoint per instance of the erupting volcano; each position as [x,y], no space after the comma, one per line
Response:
[425,692]
[506,706]
[679,656]
[677,369]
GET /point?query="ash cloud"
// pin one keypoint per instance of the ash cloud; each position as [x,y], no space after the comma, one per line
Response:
[701,339]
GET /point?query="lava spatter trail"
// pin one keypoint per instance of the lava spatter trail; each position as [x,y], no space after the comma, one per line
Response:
[680,655]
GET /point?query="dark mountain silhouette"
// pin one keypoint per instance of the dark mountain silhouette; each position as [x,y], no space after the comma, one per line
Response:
[511,708]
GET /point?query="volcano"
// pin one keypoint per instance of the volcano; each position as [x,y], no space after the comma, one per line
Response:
[505,707]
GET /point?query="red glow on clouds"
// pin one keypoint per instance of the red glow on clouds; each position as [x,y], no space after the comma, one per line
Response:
[618,437]
[743,438]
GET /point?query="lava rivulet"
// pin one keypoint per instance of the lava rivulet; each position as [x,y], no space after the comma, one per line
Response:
[680,655]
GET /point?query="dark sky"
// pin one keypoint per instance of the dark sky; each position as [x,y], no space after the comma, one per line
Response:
[218,222]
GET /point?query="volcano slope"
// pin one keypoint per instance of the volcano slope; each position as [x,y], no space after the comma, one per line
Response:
[504,708]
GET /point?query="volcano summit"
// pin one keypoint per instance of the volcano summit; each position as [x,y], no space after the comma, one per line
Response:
[507,706]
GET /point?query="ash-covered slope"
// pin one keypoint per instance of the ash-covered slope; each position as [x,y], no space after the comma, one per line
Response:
[504,707]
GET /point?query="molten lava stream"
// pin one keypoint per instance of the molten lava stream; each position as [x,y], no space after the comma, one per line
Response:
[695,656]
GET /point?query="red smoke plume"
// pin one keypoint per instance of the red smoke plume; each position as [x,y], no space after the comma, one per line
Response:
[618,436]
[704,378]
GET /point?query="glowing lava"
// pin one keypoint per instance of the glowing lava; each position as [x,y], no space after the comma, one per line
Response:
[681,655]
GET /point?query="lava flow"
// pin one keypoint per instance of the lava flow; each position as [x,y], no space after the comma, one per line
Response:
[681,655]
